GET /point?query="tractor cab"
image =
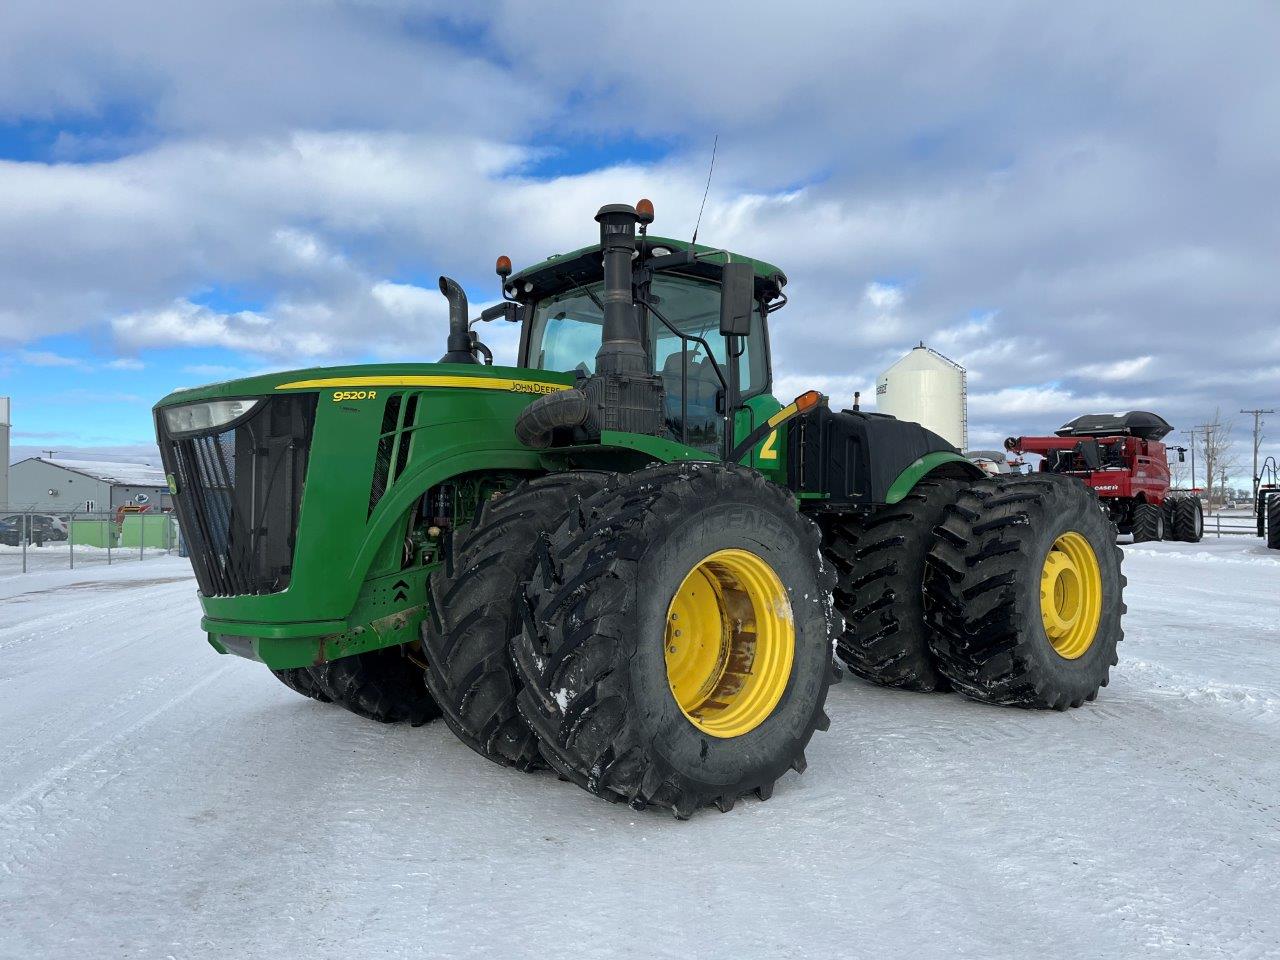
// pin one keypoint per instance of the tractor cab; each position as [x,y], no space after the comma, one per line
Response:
[560,303]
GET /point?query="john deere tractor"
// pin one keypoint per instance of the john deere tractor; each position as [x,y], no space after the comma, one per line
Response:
[623,557]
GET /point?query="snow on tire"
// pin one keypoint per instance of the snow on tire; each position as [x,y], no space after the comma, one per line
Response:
[300,680]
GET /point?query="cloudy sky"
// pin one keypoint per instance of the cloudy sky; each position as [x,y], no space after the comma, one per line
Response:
[1080,202]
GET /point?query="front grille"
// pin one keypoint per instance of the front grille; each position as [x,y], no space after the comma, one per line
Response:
[239,491]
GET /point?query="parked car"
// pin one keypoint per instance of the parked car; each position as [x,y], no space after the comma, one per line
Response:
[9,534]
[43,527]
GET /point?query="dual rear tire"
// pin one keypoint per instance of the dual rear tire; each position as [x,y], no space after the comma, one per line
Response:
[1178,518]
[1007,590]
[880,564]
[1025,594]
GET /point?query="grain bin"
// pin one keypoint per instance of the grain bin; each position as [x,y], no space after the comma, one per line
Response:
[930,389]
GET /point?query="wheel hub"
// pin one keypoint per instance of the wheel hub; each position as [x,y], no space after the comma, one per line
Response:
[729,643]
[1071,595]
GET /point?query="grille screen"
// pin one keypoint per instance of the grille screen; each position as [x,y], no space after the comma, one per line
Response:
[395,441]
[239,493]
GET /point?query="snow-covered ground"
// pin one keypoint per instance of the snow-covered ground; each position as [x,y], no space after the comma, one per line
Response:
[64,556]
[157,800]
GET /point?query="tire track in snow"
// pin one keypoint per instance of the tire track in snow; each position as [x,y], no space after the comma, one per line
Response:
[25,815]
[69,616]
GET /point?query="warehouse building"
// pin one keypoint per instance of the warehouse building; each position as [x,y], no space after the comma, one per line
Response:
[85,486]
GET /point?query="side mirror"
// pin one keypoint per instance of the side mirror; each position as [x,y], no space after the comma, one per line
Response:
[737,298]
[501,311]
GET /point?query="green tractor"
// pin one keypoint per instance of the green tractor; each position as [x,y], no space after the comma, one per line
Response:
[623,557]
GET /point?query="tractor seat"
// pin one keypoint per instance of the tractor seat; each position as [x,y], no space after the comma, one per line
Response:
[703,387]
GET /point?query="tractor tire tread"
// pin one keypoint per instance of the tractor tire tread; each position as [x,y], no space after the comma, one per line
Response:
[573,650]
[475,610]
[980,636]
[300,680]
[383,685]
[879,589]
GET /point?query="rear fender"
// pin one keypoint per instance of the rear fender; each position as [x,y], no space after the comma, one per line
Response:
[932,466]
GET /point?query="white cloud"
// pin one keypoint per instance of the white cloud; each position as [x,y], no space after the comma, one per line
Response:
[125,363]
[1115,370]
[883,296]
[47,358]
[1058,188]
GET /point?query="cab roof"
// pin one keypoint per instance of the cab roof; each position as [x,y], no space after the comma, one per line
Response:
[583,265]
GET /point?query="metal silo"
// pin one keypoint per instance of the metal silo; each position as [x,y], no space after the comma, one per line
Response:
[930,389]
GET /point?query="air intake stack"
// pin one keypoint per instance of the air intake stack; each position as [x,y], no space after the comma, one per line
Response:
[620,347]
[622,394]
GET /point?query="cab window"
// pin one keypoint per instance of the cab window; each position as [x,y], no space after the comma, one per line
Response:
[566,332]
[566,329]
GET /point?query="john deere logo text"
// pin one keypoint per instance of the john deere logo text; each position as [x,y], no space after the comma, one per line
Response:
[340,395]
[524,386]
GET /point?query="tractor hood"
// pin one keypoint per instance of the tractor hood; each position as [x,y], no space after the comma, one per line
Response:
[353,449]
[340,381]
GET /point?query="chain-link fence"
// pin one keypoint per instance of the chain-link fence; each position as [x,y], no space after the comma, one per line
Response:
[36,540]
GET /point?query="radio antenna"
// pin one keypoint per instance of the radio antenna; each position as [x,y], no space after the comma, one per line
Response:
[706,190]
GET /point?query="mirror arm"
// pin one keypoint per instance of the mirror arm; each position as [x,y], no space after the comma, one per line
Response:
[507,310]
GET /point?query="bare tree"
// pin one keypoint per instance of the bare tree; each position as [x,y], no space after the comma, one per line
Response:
[1217,451]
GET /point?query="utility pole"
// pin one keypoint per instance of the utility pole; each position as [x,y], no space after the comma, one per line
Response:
[1191,439]
[1257,441]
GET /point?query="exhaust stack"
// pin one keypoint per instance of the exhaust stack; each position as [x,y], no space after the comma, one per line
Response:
[460,350]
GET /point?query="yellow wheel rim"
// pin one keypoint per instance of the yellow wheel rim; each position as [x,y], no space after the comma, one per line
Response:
[730,640]
[1071,595]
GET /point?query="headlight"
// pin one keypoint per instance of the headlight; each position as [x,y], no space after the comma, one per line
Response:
[191,417]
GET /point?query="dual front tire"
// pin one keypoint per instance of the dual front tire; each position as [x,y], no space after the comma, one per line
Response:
[675,650]
[1178,518]
[660,638]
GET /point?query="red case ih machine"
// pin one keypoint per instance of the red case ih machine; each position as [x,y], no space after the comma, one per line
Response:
[1120,457]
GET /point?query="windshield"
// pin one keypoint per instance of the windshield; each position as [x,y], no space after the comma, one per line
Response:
[567,328]
[566,332]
